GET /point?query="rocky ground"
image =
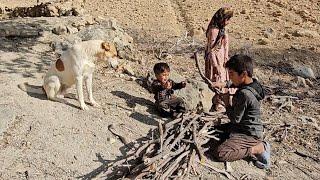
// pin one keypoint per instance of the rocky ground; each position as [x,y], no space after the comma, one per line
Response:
[41,139]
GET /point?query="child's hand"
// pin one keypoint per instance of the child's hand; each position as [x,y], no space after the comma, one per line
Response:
[168,85]
[184,84]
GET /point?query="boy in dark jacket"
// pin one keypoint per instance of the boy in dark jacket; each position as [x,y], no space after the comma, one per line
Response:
[243,135]
[167,104]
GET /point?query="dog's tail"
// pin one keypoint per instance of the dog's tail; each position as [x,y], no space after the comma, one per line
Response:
[26,87]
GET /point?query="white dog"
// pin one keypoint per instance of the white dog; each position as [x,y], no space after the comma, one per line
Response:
[75,66]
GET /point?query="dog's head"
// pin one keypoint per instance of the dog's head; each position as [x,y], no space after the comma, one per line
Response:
[110,50]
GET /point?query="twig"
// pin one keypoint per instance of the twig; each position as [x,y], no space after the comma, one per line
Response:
[229,176]
[174,165]
[196,143]
[161,135]
[112,130]
[303,154]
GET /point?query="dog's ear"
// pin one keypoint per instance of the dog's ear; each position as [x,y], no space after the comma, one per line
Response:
[105,46]
[59,65]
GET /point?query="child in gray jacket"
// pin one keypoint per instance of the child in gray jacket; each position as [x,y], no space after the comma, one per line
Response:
[243,134]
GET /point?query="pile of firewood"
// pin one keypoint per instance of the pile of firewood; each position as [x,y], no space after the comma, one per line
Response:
[175,153]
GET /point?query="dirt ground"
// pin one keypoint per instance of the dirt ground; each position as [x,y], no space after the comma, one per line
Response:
[41,139]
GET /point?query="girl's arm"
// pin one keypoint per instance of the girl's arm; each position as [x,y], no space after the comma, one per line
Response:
[226,47]
[212,37]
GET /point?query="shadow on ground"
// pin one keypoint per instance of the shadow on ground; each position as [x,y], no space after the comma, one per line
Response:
[132,102]
[118,171]
[19,38]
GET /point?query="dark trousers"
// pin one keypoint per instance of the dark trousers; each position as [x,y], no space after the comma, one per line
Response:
[170,107]
[234,146]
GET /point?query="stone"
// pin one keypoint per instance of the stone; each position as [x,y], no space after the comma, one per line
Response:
[72,30]
[77,11]
[132,78]
[301,82]
[307,119]
[1,11]
[263,41]
[287,36]
[277,13]
[276,20]
[305,33]
[79,24]
[304,72]
[114,62]
[111,140]
[128,70]
[167,56]
[243,11]
[60,30]
[53,10]
[295,47]
[90,20]
[268,32]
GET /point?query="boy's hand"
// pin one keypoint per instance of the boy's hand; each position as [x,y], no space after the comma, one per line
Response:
[218,85]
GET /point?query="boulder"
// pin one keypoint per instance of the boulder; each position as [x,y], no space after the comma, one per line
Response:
[14,28]
[304,72]
[111,31]
[305,33]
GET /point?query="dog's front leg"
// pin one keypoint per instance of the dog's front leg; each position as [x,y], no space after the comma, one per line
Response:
[79,80]
[88,81]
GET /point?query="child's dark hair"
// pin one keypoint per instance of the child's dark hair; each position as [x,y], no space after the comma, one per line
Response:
[160,68]
[240,63]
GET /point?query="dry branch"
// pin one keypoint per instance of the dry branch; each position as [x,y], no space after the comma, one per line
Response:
[206,80]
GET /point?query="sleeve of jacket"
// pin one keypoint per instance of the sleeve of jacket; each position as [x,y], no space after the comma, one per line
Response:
[156,87]
[238,108]
[176,86]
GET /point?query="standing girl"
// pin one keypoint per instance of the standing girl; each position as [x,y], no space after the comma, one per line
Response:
[217,53]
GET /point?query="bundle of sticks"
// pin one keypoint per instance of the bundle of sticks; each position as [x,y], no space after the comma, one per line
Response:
[175,153]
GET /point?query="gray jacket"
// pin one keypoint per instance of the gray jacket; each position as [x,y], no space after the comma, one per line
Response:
[245,110]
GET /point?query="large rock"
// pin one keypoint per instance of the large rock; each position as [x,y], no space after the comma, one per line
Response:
[63,32]
[305,33]
[49,9]
[18,29]
[111,31]
[304,72]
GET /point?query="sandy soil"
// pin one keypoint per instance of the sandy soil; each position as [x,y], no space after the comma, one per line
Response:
[41,139]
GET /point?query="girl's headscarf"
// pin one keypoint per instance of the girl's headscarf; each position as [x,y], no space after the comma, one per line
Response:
[217,20]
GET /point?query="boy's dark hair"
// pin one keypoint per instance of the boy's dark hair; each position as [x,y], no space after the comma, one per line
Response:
[160,68]
[240,63]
